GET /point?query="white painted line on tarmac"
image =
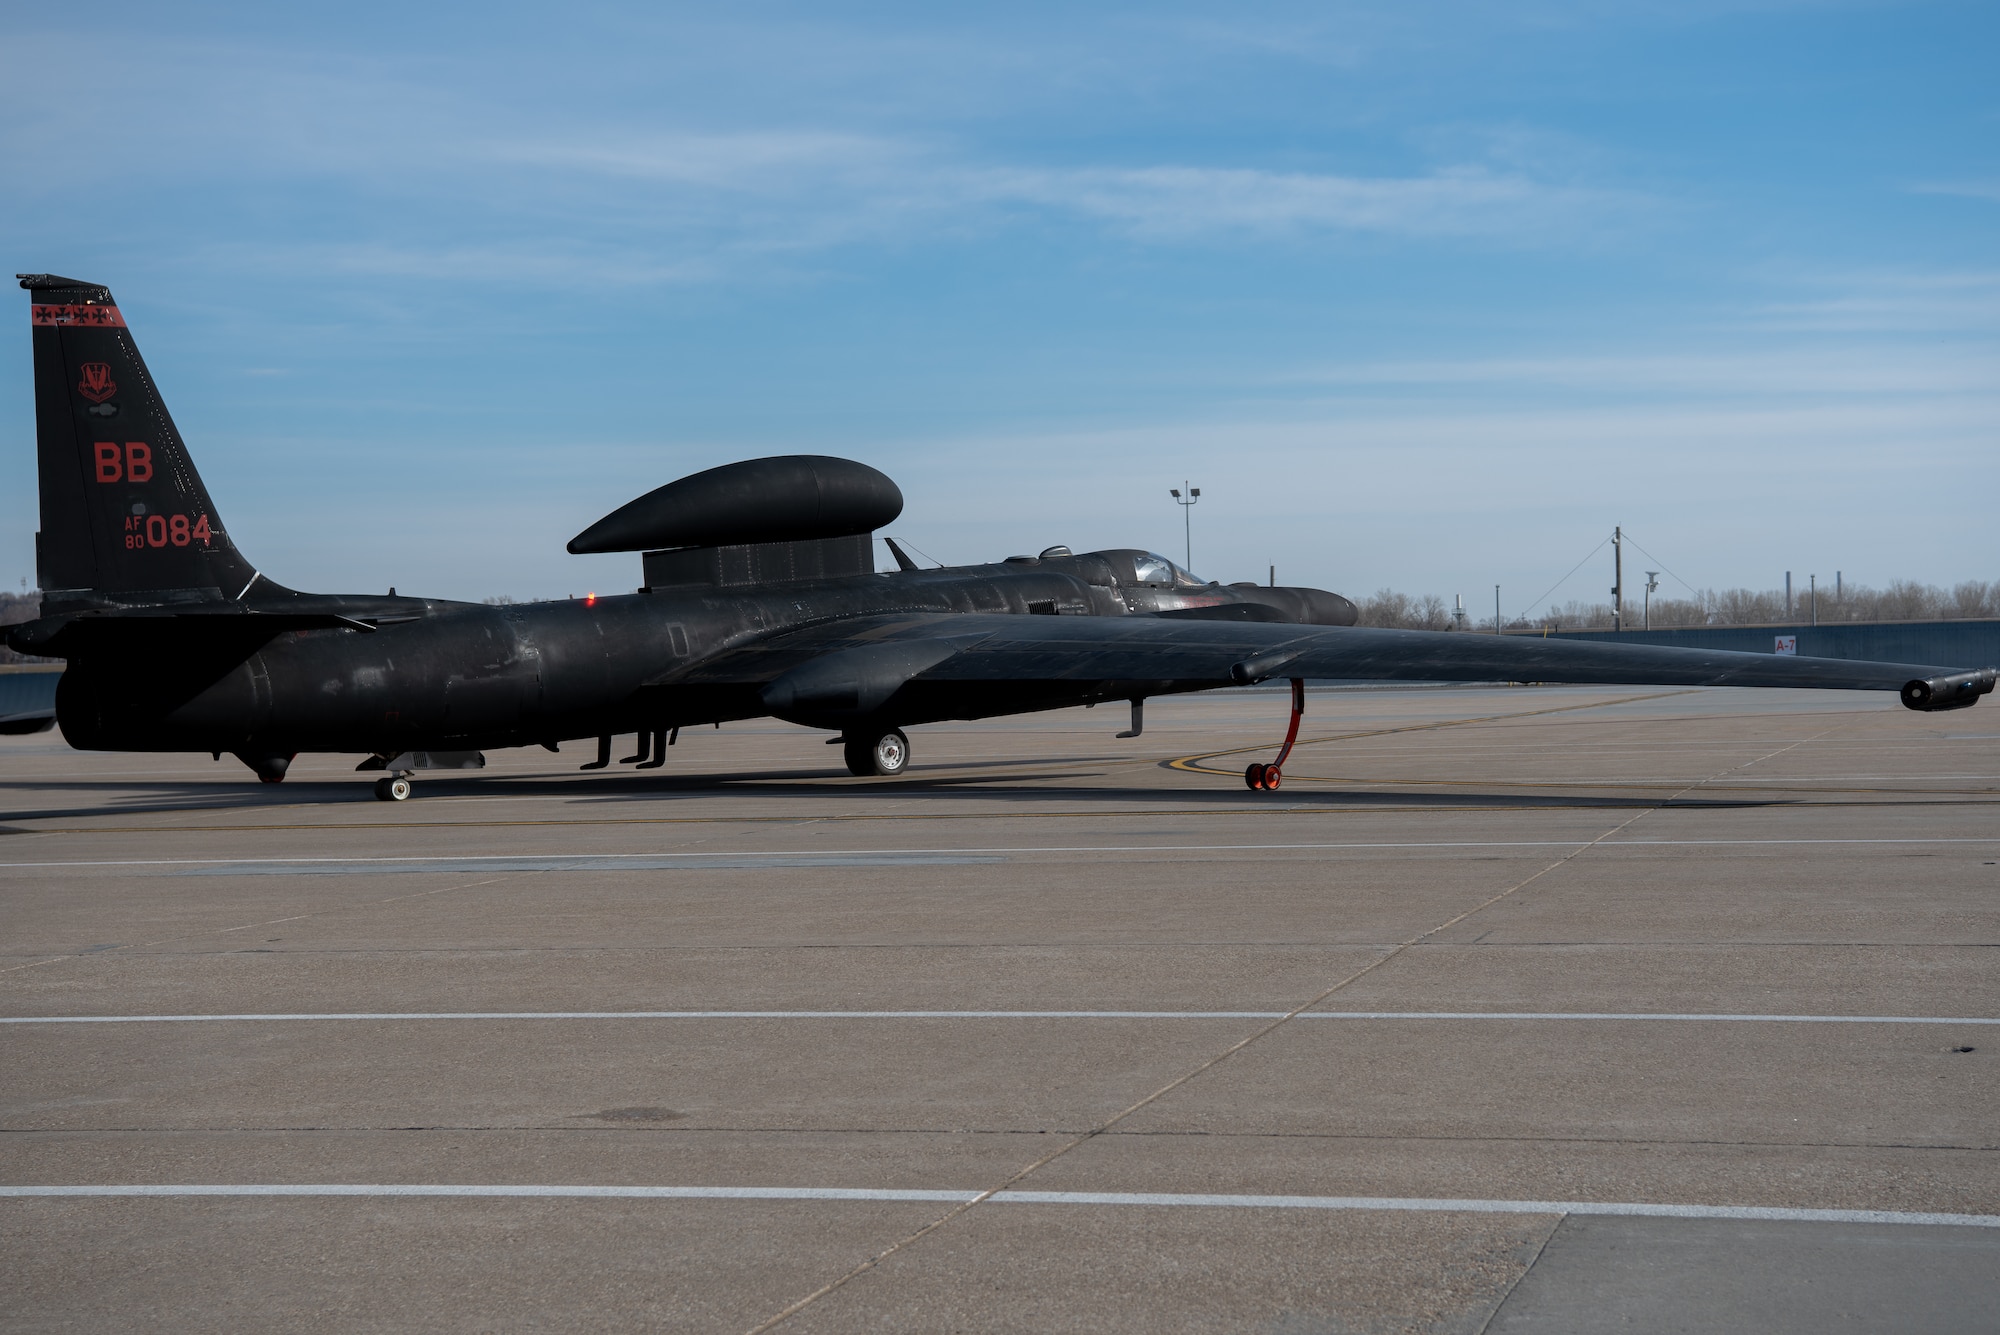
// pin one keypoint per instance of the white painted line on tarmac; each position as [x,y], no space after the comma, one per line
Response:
[1649,1210]
[610,859]
[1639,1209]
[505,1191]
[571,862]
[656,1015]
[1672,1016]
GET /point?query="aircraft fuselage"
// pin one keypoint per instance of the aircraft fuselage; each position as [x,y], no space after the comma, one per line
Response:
[441,675]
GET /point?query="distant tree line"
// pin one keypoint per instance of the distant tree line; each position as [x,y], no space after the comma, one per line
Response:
[1902,600]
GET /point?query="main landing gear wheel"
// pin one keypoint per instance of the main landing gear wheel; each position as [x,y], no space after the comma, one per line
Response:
[884,755]
[393,790]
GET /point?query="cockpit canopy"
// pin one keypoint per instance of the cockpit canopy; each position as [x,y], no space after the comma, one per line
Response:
[1161,572]
[1151,569]
[1120,568]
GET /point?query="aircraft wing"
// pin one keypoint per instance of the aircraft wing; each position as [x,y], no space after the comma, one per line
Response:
[833,670]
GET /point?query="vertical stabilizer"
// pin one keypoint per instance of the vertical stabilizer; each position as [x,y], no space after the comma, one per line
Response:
[124,514]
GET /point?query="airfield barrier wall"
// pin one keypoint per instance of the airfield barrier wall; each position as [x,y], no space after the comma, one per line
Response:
[28,690]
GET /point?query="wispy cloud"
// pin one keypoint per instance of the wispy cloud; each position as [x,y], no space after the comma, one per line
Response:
[1988,190]
[686,199]
[1181,202]
[1887,303]
[848,185]
[1842,373]
[762,161]
[474,262]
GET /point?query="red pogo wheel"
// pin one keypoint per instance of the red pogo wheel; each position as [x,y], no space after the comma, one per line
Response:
[1272,778]
[1253,777]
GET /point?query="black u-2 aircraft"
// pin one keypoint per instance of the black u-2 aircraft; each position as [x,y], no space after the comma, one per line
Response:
[761,598]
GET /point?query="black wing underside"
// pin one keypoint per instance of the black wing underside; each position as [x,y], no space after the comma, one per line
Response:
[945,666]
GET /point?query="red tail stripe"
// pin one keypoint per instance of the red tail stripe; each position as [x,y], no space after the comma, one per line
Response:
[87,317]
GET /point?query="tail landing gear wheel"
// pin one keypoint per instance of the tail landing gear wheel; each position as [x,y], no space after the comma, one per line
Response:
[392,790]
[1253,777]
[1272,778]
[883,756]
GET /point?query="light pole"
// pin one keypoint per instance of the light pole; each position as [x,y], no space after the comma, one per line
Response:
[1652,583]
[1617,579]
[1187,521]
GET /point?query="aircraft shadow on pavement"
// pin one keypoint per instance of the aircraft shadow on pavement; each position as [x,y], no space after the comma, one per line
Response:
[1021,787]
[1023,784]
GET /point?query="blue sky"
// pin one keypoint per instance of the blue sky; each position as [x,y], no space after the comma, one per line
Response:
[1427,296]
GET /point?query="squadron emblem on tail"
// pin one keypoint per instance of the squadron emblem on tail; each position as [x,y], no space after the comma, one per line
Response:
[97,384]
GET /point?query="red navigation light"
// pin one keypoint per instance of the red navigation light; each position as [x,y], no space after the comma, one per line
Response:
[590,600]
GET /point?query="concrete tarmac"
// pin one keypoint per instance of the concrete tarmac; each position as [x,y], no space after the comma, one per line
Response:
[1516,1009]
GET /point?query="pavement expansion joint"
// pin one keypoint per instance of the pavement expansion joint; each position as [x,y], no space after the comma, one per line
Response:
[669,1126]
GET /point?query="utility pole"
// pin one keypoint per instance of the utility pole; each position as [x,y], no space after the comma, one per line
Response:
[1496,610]
[1788,595]
[1617,580]
[1187,522]
[1812,591]
[1646,609]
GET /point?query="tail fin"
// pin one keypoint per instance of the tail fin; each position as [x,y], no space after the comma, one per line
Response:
[123,511]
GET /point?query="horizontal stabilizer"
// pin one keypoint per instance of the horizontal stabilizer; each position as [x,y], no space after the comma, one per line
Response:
[61,635]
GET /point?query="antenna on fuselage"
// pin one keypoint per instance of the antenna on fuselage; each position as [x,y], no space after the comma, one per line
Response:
[904,561]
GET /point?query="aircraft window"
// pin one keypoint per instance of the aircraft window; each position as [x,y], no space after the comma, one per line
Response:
[1152,568]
